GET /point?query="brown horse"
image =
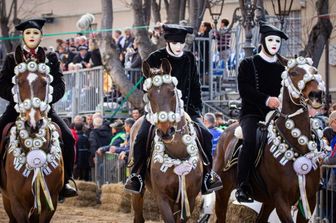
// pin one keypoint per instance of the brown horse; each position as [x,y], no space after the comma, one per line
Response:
[289,153]
[32,168]
[175,169]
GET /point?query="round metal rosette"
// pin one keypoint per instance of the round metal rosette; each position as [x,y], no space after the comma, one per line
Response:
[159,147]
[309,61]
[291,63]
[187,139]
[289,154]
[42,68]
[312,145]
[147,84]
[296,132]
[23,134]
[37,142]
[51,89]
[32,66]
[28,143]
[303,140]
[163,116]
[19,124]
[36,158]
[166,79]
[289,124]
[284,74]
[314,123]
[301,60]
[145,98]
[50,78]
[157,81]
[302,165]
[301,84]
[175,81]
[192,149]
[171,116]
[27,104]
[17,152]
[36,102]
[22,67]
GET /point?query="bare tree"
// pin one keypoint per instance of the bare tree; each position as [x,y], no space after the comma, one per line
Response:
[7,19]
[111,60]
[320,33]
[156,11]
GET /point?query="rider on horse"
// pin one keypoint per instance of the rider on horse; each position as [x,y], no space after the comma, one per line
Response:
[184,69]
[259,84]
[32,35]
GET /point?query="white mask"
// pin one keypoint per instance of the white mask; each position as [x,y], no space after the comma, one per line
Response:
[273,44]
[175,48]
[32,37]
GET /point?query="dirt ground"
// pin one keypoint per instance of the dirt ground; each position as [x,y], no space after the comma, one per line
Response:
[66,214]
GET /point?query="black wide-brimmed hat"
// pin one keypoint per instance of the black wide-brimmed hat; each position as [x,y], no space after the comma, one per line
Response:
[267,30]
[31,23]
[176,33]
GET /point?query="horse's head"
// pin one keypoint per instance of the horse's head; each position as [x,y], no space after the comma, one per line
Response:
[304,84]
[32,91]
[163,99]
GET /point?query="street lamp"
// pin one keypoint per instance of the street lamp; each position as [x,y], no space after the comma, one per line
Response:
[215,12]
[248,20]
[282,9]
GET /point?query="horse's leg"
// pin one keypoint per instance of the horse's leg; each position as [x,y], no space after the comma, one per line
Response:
[20,213]
[165,209]
[283,210]
[223,195]
[265,212]
[137,202]
[8,209]
[312,202]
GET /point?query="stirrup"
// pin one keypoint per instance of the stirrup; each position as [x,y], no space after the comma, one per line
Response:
[213,175]
[137,177]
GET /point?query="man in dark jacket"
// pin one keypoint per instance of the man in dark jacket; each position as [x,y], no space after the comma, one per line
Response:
[32,35]
[185,70]
[259,84]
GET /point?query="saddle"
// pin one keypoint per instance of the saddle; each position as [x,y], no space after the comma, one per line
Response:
[261,138]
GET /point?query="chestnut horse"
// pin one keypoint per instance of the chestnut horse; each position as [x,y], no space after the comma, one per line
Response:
[32,168]
[288,170]
[175,169]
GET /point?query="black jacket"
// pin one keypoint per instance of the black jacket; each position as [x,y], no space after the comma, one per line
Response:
[99,137]
[185,70]
[7,73]
[269,84]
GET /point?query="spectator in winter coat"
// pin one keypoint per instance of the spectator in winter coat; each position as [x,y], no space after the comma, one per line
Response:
[83,154]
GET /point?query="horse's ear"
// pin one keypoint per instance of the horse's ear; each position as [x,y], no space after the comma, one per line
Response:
[283,60]
[146,69]
[18,55]
[40,55]
[165,66]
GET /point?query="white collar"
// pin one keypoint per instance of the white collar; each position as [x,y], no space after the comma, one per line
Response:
[270,59]
[28,49]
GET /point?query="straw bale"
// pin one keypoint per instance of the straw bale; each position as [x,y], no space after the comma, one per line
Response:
[240,213]
[86,186]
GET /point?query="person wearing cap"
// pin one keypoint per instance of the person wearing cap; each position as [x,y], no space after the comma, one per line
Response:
[29,49]
[259,84]
[184,68]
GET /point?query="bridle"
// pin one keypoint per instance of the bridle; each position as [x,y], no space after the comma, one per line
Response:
[296,92]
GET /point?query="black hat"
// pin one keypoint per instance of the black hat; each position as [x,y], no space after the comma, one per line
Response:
[176,33]
[31,23]
[267,30]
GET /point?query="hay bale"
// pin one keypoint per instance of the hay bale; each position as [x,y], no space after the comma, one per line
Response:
[113,197]
[240,213]
[87,195]
[151,210]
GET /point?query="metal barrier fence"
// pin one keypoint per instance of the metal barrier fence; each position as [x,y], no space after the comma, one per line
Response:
[109,169]
[326,198]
